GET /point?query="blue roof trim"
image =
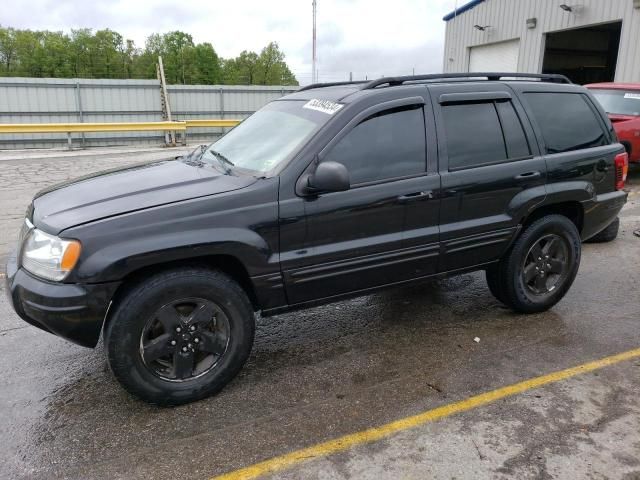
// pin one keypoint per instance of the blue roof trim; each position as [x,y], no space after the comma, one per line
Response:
[462,9]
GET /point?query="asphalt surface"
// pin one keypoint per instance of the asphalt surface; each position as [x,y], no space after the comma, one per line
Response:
[329,371]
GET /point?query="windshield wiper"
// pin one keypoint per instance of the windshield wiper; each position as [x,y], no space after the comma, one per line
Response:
[224,161]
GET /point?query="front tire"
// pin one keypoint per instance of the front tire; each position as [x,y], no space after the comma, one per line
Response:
[492,276]
[541,266]
[180,335]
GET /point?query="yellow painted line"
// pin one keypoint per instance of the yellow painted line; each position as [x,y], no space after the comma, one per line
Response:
[378,433]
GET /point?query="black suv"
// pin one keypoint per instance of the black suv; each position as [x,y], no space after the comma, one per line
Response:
[334,191]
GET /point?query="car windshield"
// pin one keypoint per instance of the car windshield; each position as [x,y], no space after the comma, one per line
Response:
[267,138]
[619,102]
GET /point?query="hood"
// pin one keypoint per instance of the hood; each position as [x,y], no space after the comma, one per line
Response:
[124,190]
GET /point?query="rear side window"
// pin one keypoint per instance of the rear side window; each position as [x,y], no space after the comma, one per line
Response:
[567,121]
[483,134]
[387,145]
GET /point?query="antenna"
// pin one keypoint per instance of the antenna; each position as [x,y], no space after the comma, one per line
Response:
[314,73]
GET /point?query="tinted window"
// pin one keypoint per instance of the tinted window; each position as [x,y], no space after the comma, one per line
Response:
[473,135]
[517,145]
[387,145]
[567,122]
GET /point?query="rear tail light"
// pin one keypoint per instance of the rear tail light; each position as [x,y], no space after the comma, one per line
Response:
[622,168]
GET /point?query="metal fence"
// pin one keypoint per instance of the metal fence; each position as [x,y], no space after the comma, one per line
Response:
[60,100]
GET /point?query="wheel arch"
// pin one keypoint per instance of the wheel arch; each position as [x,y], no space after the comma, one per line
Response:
[573,210]
[227,264]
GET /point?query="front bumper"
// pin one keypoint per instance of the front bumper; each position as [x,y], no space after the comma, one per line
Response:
[600,212]
[74,312]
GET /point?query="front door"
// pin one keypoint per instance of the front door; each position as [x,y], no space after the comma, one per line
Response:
[355,239]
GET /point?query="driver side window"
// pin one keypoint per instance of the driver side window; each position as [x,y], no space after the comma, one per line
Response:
[387,145]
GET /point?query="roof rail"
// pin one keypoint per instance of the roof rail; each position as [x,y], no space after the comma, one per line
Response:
[329,84]
[471,76]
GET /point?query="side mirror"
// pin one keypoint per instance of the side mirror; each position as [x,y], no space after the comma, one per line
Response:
[328,177]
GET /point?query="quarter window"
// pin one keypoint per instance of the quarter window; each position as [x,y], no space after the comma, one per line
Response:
[516,140]
[567,121]
[386,145]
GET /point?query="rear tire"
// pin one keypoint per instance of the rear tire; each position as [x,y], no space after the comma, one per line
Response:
[609,234]
[180,335]
[541,266]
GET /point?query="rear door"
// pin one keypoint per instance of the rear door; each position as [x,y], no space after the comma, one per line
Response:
[578,145]
[488,156]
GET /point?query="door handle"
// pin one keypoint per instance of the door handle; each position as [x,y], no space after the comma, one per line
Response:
[528,176]
[416,196]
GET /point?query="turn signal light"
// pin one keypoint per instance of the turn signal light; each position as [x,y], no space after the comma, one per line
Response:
[70,255]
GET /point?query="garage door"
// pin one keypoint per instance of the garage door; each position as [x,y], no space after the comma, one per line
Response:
[497,57]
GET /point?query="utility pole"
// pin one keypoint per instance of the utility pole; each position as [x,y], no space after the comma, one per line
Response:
[314,75]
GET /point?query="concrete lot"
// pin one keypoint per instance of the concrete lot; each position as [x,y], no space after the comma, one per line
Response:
[330,371]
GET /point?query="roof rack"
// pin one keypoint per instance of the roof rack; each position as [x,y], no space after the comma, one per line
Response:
[330,84]
[471,76]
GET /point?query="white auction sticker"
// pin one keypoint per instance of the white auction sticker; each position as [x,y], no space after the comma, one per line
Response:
[635,96]
[324,106]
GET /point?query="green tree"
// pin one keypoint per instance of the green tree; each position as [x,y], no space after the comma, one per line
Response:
[8,54]
[106,49]
[176,49]
[241,70]
[268,68]
[83,53]
[80,53]
[56,60]
[207,65]
[272,69]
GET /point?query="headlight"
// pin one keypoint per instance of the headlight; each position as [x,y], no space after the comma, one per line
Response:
[48,256]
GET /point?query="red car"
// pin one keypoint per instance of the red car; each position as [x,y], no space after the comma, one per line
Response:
[621,101]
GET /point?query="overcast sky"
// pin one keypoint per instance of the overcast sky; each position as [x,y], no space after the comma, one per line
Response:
[370,38]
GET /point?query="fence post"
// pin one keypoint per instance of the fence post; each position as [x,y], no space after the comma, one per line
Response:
[222,109]
[80,112]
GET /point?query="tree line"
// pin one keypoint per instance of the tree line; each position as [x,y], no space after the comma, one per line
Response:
[84,53]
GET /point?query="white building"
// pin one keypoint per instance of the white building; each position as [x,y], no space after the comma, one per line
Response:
[587,40]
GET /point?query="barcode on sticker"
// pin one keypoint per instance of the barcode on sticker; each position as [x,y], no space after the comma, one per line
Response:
[324,106]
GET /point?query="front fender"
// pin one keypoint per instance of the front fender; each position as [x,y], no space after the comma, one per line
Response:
[242,224]
[116,261]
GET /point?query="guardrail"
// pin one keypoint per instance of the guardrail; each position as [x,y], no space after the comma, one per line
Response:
[69,128]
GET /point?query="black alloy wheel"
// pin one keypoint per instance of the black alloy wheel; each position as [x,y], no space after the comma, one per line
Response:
[184,339]
[546,266]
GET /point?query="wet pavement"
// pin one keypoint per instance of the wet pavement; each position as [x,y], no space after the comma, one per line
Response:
[322,373]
